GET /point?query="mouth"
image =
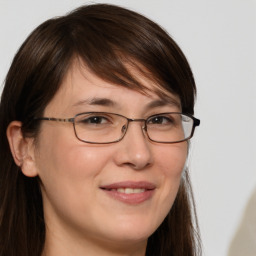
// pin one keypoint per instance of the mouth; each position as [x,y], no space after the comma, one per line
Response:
[130,192]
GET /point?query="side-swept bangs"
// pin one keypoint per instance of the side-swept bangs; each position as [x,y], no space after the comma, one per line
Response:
[108,39]
[114,39]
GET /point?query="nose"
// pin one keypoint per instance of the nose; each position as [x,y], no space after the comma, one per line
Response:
[135,150]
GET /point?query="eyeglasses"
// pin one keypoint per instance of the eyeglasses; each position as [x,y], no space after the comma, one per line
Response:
[104,128]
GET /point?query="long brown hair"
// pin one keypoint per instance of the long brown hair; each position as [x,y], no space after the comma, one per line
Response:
[106,38]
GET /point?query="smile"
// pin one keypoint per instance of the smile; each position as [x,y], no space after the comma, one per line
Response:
[130,192]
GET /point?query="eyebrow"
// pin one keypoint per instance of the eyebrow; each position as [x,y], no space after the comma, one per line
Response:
[163,102]
[110,103]
[97,102]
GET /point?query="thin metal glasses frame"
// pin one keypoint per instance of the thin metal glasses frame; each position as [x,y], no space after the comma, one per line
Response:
[196,122]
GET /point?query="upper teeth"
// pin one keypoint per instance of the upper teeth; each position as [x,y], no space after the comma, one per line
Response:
[130,190]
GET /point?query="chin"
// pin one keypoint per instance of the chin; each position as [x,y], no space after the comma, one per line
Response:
[133,232]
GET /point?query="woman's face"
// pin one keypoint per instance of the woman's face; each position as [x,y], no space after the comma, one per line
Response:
[88,189]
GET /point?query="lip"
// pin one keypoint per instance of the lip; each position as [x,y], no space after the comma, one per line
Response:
[132,198]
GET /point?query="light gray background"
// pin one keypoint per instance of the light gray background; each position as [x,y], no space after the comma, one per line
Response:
[219,40]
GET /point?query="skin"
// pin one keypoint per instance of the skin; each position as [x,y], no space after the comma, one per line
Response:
[81,219]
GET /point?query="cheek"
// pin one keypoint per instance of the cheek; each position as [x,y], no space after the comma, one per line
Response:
[66,166]
[69,172]
[61,153]
[172,160]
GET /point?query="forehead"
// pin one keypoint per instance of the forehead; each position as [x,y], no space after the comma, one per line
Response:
[82,87]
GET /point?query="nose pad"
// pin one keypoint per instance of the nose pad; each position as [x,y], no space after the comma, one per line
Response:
[134,151]
[144,130]
[124,128]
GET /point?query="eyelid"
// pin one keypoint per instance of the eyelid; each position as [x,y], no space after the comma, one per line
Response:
[108,115]
[166,113]
[89,115]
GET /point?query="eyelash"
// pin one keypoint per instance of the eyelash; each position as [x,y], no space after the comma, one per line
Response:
[169,120]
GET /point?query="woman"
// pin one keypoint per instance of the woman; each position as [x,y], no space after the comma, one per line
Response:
[94,158]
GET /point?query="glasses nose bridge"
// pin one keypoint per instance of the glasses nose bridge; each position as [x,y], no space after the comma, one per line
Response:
[143,126]
[138,120]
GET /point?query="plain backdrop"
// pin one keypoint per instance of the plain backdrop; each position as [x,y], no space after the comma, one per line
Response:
[219,39]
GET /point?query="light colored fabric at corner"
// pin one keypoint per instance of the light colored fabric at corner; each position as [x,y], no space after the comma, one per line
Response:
[244,241]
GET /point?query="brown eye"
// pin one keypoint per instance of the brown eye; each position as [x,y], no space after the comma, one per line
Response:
[96,120]
[160,120]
